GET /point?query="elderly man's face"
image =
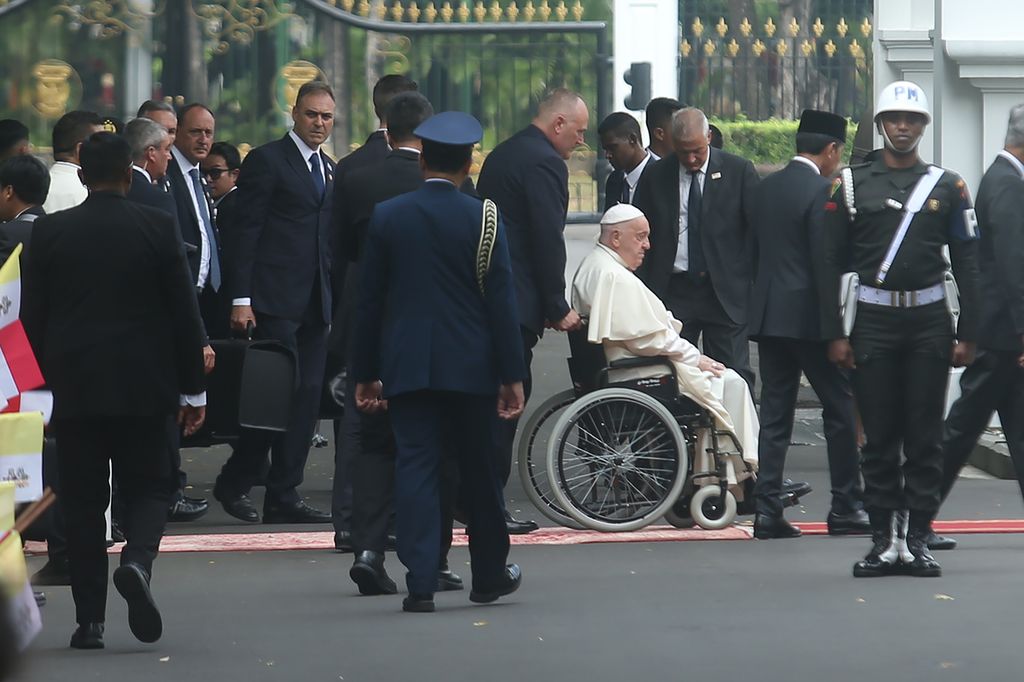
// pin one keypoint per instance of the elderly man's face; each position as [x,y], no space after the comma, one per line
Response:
[631,241]
[692,150]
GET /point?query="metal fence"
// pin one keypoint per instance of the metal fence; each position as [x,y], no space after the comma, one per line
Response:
[741,59]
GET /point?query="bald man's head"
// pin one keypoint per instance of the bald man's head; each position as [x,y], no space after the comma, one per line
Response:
[563,117]
[691,138]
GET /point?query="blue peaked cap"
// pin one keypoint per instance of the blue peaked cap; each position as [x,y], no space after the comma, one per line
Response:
[450,127]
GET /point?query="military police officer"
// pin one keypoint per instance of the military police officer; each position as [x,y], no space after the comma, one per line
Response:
[886,224]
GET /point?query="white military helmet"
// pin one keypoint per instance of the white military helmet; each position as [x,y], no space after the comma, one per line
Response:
[903,96]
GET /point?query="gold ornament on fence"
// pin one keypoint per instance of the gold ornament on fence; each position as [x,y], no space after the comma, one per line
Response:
[397,11]
[496,11]
[855,49]
[561,11]
[545,11]
[698,28]
[53,87]
[293,76]
[431,12]
[807,47]
[769,27]
[577,11]
[463,12]
[382,11]
[794,27]
[818,27]
[830,48]
[347,5]
[842,27]
[479,12]
[865,27]
[746,28]
[781,48]
[709,48]
[364,8]
[758,48]
[685,48]
[733,48]
[414,12]
[721,27]
[529,11]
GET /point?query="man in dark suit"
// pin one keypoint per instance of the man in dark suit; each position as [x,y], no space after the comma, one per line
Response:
[699,202]
[372,449]
[526,176]
[658,117]
[465,358]
[624,148]
[24,182]
[280,264]
[995,381]
[372,152]
[111,314]
[785,321]
[192,143]
[13,139]
[221,168]
[151,153]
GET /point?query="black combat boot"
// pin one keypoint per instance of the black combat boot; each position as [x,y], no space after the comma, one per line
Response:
[888,537]
[923,565]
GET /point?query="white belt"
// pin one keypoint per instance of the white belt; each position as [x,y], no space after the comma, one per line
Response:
[901,299]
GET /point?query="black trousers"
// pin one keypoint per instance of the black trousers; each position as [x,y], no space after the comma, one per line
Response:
[505,431]
[781,362]
[696,305]
[288,451]
[372,496]
[136,450]
[903,358]
[427,424]
[993,383]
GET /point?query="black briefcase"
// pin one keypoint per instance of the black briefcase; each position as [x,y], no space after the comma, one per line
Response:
[251,387]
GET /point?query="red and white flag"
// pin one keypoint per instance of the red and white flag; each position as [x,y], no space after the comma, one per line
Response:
[19,371]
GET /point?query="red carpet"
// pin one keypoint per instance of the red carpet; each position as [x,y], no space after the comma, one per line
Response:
[324,540]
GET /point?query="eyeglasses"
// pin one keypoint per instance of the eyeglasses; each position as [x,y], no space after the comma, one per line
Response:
[214,173]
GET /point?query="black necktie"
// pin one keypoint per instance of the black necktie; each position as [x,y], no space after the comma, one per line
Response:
[625,191]
[697,265]
[318,179]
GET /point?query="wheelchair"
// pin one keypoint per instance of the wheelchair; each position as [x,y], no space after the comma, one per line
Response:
[617,454]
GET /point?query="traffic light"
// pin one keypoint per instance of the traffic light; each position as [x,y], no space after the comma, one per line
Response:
[639,76]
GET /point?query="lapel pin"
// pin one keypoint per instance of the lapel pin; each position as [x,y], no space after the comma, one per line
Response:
[716,175]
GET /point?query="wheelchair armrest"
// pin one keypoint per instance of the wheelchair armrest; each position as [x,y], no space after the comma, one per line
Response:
[630,363]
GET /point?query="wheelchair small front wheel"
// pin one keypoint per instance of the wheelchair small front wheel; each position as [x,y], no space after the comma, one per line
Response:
[711,509]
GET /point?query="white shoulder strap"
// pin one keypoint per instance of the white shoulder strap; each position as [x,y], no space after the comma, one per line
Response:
[847,177]
[485,247]
[917,198]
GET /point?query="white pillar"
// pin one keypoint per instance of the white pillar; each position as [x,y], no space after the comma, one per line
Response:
[646,31]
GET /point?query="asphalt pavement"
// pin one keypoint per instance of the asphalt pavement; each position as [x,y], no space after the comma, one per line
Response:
[695,610]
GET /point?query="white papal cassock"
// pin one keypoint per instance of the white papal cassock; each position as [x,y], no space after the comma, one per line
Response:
[629,320]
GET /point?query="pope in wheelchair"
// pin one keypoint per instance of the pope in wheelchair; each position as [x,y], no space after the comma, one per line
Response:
[659,429]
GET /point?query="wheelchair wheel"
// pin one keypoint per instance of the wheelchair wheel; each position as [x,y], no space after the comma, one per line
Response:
[711,510]
[531,452]
[617,460]
[678,515]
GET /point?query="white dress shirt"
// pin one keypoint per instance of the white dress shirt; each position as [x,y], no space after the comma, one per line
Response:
[682,263]
[633,176]
[804,159]
[149,178]
[1014,160]
[184,168]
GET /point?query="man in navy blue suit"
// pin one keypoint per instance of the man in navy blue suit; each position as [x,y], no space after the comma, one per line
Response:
[279,265]
[438,345]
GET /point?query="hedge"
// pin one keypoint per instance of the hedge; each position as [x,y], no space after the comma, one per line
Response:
[769,143]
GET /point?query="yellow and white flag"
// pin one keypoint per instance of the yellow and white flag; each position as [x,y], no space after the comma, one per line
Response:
[22,611]
[21,453]
[10,288]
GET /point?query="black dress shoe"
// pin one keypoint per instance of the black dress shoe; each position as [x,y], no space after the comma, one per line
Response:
[938,542]
[186,509]
[418,603]
[368,573]
[854,523]
[510,581]
[924,564]
[447,581]
[888,548]
[299,512]
[343,541]
[391,544]
[53,573]
[768,527]
[116,534]
[796,488]
[516,527]
[240,506]
[132,583]
[88,636]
